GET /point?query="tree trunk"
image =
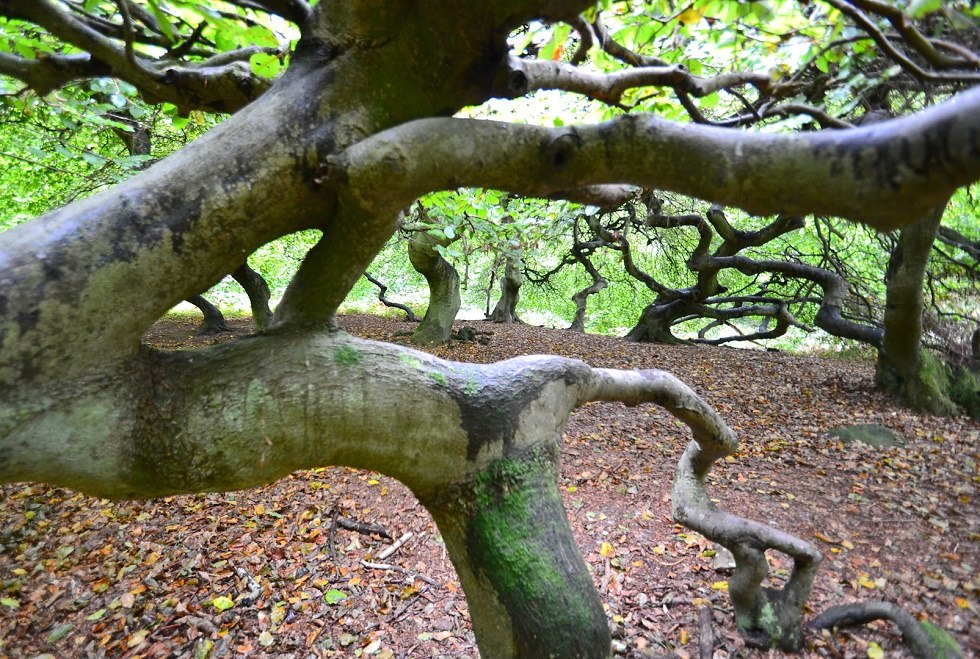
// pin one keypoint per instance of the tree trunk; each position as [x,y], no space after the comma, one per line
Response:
[904,368]
[510,290]
[444,301]
[258,293]
[213,321]
[655,324]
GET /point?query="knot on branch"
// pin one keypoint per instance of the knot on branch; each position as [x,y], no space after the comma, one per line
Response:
[560,151]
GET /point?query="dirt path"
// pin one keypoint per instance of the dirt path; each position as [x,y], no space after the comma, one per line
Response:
[81,577]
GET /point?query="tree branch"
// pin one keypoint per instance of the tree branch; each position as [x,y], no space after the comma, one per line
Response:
[885,175]
[530,75]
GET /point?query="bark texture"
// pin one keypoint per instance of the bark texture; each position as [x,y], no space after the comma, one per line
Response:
[346,139]
[443,280]
[904,367]
[510,291]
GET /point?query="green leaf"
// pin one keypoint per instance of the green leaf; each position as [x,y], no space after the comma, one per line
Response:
[919,8]
[95,616]
[59,632]
[222,603]
[334,596]
[162,20]
[10,602]
[267,66]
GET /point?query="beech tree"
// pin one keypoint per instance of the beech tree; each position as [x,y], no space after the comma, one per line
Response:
[356,128]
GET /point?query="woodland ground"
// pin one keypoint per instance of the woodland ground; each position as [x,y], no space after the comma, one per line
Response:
[83,577]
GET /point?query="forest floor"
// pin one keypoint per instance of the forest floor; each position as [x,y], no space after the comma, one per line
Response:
[278,571]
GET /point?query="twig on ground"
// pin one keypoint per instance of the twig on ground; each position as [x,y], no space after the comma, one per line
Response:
[399,568]
[395,547]
[254,587]
[403,609]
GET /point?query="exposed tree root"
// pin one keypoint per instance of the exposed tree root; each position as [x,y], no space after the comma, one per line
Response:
[916,638]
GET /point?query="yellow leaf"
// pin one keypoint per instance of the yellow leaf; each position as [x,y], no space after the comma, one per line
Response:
[689,17]
[684,637]
[606,550]
[137,638]
[570,488]
[373,481]
[866,581]
[260,509]
[820,536]
[222,603]
[962,602]
[875,651]
[719,585]
[846,544]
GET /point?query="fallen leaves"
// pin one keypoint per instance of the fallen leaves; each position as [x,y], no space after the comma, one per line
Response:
[83,577]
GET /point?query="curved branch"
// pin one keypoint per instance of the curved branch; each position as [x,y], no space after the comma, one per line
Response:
[382,290]
[885,44]
[834,287]
[45,75]
[765,617]
[531,75]
[847,615]
[926,47]
[220,86]
[885,175]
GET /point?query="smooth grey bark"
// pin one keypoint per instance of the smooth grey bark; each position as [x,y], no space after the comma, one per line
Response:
[904,367]
[510,290]
[343,141]
[443,280]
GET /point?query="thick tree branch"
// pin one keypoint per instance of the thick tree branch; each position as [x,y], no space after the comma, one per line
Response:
[886,175]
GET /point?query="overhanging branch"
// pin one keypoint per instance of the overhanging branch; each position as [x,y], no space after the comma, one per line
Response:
[886,175]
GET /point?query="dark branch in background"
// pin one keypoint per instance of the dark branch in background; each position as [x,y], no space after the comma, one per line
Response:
[916,71]
[956,239]
[581,252]
[924,46]
[296,11]
[382,290]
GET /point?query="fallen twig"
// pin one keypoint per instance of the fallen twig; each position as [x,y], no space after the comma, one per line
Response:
[254,587]
[395,547]
[399,568]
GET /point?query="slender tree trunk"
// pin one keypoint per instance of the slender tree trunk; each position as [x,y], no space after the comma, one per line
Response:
[510,290]
[258,293]
[213,321]
[444,301]
[904,367]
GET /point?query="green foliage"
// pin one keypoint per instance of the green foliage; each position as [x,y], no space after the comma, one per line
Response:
[964,390]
